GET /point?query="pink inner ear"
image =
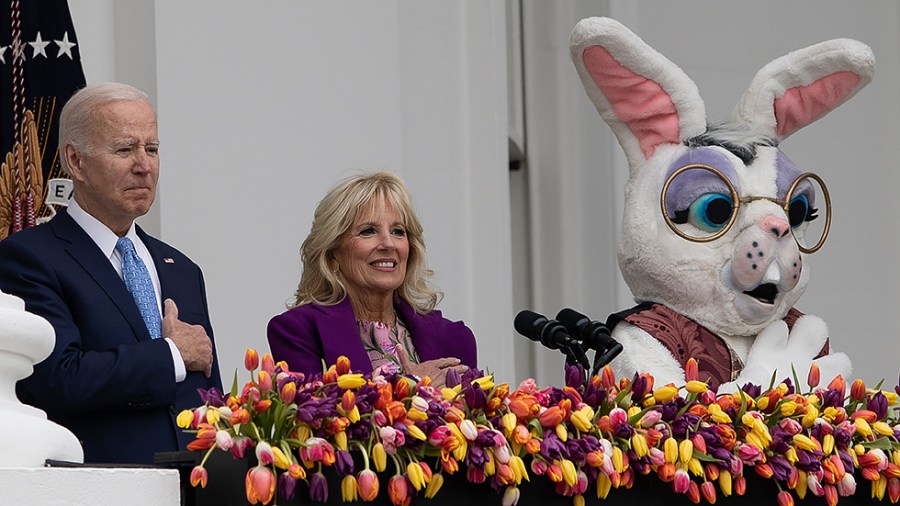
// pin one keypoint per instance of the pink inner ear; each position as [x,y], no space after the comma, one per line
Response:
[640,103]
[801,105]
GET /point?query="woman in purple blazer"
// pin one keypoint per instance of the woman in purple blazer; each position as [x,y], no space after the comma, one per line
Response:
[364,292]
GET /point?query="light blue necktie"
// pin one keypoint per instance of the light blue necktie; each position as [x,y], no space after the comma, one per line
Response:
[138,282]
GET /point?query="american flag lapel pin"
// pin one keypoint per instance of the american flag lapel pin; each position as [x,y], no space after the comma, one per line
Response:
[168,260]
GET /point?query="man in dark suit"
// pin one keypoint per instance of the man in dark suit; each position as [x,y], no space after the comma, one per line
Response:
[133,336]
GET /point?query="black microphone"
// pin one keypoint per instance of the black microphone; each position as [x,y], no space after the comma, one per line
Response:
[594,334]
[538,328]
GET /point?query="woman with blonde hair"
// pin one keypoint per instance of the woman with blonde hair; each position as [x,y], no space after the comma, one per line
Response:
[364,292]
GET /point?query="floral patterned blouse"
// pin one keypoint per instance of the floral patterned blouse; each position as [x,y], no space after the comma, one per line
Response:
[381,342]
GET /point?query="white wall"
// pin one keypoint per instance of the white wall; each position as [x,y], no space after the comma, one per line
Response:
[263,106]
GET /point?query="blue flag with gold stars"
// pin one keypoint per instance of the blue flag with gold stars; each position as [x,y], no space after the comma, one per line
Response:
[41,68]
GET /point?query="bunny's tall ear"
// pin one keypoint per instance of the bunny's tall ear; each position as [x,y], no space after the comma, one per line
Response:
[645,98]
[801,87]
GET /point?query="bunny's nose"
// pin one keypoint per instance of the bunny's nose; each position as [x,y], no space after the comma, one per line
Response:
[778,227]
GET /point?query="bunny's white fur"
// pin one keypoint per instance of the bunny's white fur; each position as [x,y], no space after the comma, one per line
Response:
[659,119]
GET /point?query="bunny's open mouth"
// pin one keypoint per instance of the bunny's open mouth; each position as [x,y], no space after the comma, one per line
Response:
[764,293]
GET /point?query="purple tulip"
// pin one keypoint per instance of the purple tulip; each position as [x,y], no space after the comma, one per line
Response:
[287,486]
[318,488]
[879,404]
[343,462]
[212,397]
[574,376]
[452,378]
[552,448]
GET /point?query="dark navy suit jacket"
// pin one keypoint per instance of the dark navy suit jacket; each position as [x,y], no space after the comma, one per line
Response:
[305,335]
[106,380]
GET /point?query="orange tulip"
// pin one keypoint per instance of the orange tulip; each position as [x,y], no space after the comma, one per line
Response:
[398,490]
[251,359]
[199,476]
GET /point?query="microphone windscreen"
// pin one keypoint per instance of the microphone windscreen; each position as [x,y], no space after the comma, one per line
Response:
[572,320]
[528,323]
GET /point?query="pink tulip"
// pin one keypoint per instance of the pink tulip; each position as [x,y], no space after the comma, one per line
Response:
[785,498]
[682,481]
[260,485]
[368,485]
[398,491]
[709,492]
[264,453]
[268,363]
[224,440]
[199,476]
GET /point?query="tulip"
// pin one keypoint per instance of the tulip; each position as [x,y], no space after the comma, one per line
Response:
[367,483]
[784,497]
[397,490]
[510,496]
[185,419]
[318,487]
[268,363]
[709,492]
[686,450]
[681,482]
[812,379]
[665,393]
[349,488]
[693,492]
[434,485]
[691,370]
[740,485]
[264,453]
[288,392]
[260,485]
[251,359]
[379,457]
[224,440]
[838,384]
[468,429]
[199,476]
[858,390]
[639,445]
[416,475]
[342,366]
[893,490]
[696,387]
[351,381]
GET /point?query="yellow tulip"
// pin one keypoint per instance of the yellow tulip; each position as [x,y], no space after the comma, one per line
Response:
[695,467]
[718,415]
[618,459]
[809,419]
[725,482]
[379,457]
[490,465]
[485,382]
[665,393]
[508,422]
[686,450]
[862,427]
[882,429]
[569,473]
[351,381]
[639,445]
[416,475]
[696,387]
[435,484]
[185,419]
[416,432]
[804,442]
[827,444]
[281,460]
[788,408]
[340,440]
[670,448]
[562,433]
[581,421]
[518,466]
[604,484]
[349,488]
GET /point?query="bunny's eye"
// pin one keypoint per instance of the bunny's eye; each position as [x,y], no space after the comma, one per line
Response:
[800,211]
[709,212]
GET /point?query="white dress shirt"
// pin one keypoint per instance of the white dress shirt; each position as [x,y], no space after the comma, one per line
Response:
[106,240]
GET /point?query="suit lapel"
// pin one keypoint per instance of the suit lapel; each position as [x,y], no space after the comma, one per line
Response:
[340,336]
[86,253]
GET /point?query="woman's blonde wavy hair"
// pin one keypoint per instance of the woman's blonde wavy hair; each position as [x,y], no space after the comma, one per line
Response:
[319,283]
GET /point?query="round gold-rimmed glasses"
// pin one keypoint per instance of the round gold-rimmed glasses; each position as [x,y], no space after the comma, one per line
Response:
[706,205]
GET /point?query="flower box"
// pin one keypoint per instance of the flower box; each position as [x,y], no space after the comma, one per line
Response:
[323,438]
[226,488]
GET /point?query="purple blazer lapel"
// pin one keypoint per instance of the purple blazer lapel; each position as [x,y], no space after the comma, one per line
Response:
[340,336]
